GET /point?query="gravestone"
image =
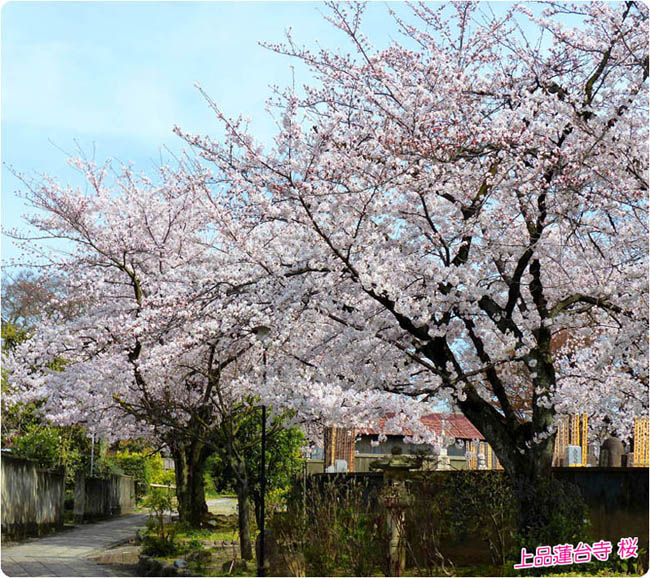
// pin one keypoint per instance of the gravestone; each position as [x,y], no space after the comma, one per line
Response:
[340,466]
[611,453]
[573,456]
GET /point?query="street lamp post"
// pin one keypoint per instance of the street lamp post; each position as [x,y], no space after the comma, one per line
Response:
[261,567]
[262,334]
[92,454]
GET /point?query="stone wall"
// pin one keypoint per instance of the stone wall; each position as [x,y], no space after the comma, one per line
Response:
[617,499]
[98,498]
[32,499]
[123,488]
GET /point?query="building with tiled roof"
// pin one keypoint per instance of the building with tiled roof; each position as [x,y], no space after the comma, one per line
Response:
[362,446]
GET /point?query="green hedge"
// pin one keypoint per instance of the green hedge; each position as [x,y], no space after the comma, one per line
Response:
[145,467]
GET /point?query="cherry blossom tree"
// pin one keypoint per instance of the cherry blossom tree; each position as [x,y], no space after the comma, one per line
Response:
[164,320]
[462,200]
[170,281]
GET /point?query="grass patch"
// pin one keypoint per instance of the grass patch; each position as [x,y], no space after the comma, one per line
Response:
[217,535]
[192,544]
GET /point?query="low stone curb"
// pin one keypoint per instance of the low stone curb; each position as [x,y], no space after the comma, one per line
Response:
[111,546]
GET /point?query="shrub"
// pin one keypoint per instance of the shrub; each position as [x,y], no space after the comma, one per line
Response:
[39,443]
[453,507]
[159,502]
[336,527]
[157,546]
[564,508]
[105,466]
[145,467]
[66,447]
[195,544]
[164,477]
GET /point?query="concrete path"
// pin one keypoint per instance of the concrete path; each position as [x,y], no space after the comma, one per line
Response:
[65,554]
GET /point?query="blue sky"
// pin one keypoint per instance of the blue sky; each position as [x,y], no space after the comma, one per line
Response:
[115,77]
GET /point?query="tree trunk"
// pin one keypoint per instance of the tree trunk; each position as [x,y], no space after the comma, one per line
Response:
[527,462]
[243,504]
[532,487]
[531,484]
[189,462]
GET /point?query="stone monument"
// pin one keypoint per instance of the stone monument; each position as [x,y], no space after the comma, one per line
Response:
[611,453]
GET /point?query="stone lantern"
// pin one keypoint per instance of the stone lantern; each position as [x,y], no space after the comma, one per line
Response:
[396,500]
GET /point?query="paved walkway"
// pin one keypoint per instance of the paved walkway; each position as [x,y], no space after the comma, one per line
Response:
[65,554]
[225,506]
